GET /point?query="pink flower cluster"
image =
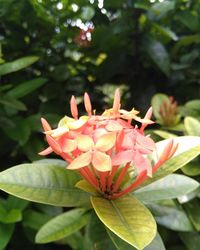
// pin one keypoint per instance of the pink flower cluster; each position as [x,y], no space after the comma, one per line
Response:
[107,150]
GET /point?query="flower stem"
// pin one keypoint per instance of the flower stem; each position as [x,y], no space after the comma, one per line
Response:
[120,177]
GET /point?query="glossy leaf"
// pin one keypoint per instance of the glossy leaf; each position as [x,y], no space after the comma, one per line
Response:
[7,217]
[34,219]
[45,183]
[127,218]
[85,186]
[188,149]
[62,225]
[191,240]
[172,217]
[10,102]
[192,126]
[159,55]
[192,208]
[18,64]
[192,168]
[169,187]
[6,231]
[25,88]
[96,233]
[164,134]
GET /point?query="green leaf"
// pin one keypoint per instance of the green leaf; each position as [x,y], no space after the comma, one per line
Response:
[192,209]
[25,88]
[190,20]
[191,240]
[192,168]
[34,219]
[127,218]
[159,55]
[161,9]
[169,187]
[87,13]
[166,31]
[156,103]
[6,231]
[85,186]
[18,64]
[11,102]
[45,183]
[95,230]
[171,217]
[11,216]
[118,242]
[192,126]
[156,244]
[62,225]
[21,131]
[164,134]
[188,149]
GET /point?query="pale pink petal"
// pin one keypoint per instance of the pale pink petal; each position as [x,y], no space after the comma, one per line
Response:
[81,161]
[67,145]
[84,142]
[47,151]
[116,102]
[73,106]
[87,103]
[45,124]
[148,117]
[57,132]
[122,157]
[76,124]
[145,143]
[142,163]
[54,144]
[101,161]
[106,142]
[114,126]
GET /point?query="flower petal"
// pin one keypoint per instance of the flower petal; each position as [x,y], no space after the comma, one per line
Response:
[81,161]
[45,124]
[58,131]
[84,142]
[76,124]
[101,161]
[122,157]
[67,145]
[46,151]
[54,144]
[106,142]
[142,163]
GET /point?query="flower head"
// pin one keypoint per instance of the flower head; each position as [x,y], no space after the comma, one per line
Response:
[107,150]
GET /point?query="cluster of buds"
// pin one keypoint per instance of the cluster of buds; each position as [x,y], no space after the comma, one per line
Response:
[106,150]
[169,112]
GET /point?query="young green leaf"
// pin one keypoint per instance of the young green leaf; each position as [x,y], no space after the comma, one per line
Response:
[27,87]
[127,218]
[18,64]
[169,187]
[6,231]
[48,183]
[192,126]
[63,225]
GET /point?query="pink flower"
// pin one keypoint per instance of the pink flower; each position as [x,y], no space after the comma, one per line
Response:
[107,150]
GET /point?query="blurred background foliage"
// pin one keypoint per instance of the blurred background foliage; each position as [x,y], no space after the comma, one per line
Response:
[50,50]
